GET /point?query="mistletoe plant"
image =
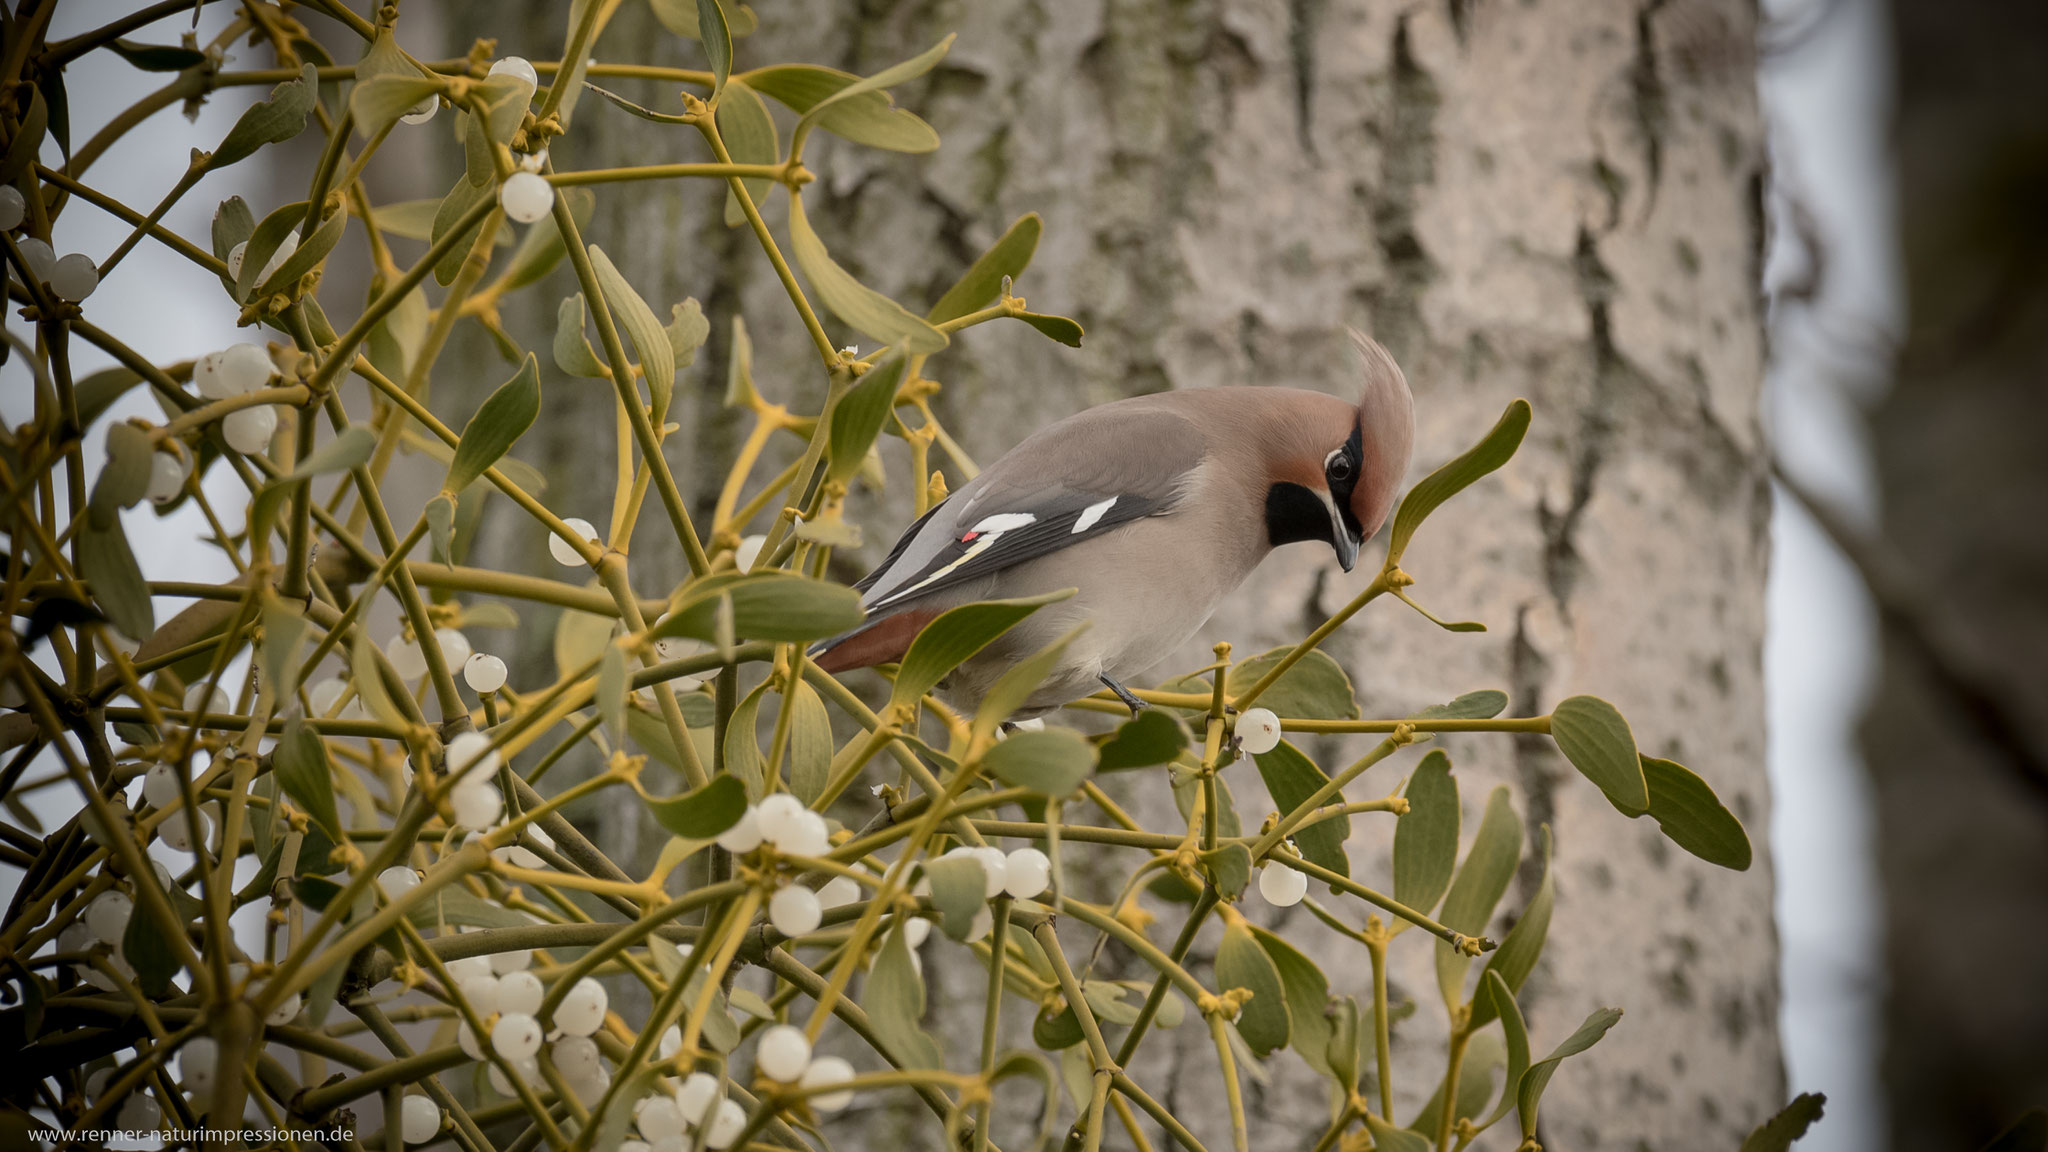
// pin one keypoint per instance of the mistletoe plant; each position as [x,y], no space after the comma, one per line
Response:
[433,952]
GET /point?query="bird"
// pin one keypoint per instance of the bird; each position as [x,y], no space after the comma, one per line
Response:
[1151,509]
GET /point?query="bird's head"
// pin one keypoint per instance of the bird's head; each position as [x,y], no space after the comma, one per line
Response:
[1342,465]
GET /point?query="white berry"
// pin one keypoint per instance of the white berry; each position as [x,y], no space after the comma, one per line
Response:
[1258,731]
[484,672]
[396,881]
[196,1062]
[795,911]
[749,551]
[520,992]
[480,993]
[504,963]
[515,1036]
[198,698]
[476,804]
[245,367]
[471,757]
[160,785]
[1282,887]
[235,255]
[466,1040]
[407,659]
[37,255]
[12,208]
[726,1126]
[527,197]
[516,66]
[277,258]
[528,1069]
[694,1098]
[575,1057]
[166,477]
[671,1042]
[74,277]
[779,816]
[107,916]
[784,1053]
[177,833]
[454,646]
[745,834]
[423,111]
[659,1120]
[1026,872]
[248,430]
[824,1072]
[565,553]
[838,891]
[286,1011]
[582,1009]
[419,1119]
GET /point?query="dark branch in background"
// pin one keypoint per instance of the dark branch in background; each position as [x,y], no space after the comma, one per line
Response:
[1939,639]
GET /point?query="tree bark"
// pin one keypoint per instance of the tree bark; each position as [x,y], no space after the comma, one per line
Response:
[1553,201]
[1956,737]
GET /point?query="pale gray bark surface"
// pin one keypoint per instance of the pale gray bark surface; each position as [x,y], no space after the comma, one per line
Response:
[1557,201]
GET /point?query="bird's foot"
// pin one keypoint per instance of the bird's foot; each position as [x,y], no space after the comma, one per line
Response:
[1124,694]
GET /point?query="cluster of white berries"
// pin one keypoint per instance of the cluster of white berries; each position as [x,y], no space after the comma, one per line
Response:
[472,763]
[160,787]
[138,1113]
[234,371]
[783,823]
[72,277]
[482,671]
[1257,731]
[506,998]
[785,1056]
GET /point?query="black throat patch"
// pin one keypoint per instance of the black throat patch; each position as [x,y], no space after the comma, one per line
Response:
[1295,514]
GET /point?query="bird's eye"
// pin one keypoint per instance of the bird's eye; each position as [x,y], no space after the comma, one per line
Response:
[1340,468]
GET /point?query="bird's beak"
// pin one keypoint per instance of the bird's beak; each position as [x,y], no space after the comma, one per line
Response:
[1343,540]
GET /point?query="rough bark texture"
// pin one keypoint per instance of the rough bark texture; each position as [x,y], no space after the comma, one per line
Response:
[1557,201]
[1956,738]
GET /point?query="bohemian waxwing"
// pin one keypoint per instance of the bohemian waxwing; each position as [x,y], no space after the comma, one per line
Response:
[1152,509]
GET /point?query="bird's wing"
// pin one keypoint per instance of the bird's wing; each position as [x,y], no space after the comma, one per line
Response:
[1070,482]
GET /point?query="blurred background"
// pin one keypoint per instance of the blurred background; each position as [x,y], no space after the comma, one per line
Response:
[1912,486]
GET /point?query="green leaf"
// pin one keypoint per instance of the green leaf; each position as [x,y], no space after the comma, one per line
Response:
[147,951]
[859,415]
[704,813]
[680,17]
[1014,688]
[739,369]
[889,77]
[1517,955]
[1490,453]
[499,421]
[1484,704]
[869,118]
[1154,736]
[453,207]
[1778,1133]
[1387,1138]
[687,329]
[859,305]
[271,121]
[97,392]
[304,258]
[1241,963]
[1059,328]
[1494,992]
[284,631]
[1037,1067]
[771,605]
[1308,1000]
[894,1000]
[644,113]
[1314,688]
[1053,1031]
[1426,838]
[453,905]
[1341,1055]
[810,745]
[125,479]
[982,284]
[958,884]
[750,138]
[303,770]
[742,744]
[1483,1055]
[1477,888]
[650,341]
[612,688]
[1054,761]
[269,234]
[573,353]
[717,39]
[379,101]
[1229,868]
[232,224]
[1291,779]
[440,516]
[1529,1094]
[1595,738]
[344,452]
[369,681]
[958,634]
[157,57]
[108,565]
[1692,817]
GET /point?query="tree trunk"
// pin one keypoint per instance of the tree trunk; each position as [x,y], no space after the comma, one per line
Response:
[1956,736]
[1559,202]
